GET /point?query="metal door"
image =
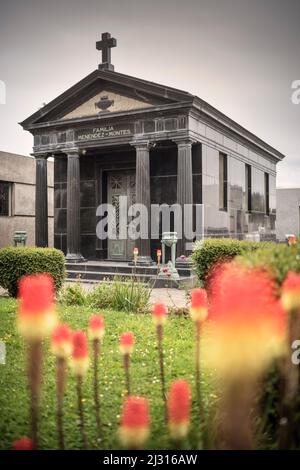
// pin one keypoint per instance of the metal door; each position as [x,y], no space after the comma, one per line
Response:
[120,184]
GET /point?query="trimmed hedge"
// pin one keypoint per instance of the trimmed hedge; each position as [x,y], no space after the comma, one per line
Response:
[278,259]
[214,250]
[16,262]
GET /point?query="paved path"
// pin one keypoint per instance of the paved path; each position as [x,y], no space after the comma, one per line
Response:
[170,297]
[2,292]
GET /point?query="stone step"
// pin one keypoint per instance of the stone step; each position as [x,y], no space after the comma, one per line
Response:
[102,274]
[121,269]
[96,276]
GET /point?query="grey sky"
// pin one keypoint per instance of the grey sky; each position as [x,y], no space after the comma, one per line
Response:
[239,55]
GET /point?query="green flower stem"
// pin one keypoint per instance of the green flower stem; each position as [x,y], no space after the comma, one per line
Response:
[35,358]
[96,350]
[126,360]
[159,333]
[60,389]
[81,411]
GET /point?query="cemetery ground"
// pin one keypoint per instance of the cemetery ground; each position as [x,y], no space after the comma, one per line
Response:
[145,377]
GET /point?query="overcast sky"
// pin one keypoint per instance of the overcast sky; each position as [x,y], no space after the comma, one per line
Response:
[239,55]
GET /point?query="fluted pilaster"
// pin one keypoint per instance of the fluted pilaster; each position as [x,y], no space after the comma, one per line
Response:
[73,207]
[184,187]
[143,196]
[41,201]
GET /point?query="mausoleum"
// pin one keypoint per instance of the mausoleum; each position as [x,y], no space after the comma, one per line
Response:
[114,135]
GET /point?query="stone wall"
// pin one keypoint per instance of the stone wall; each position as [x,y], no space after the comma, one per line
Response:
[288,212]
[19,170]
[236,221]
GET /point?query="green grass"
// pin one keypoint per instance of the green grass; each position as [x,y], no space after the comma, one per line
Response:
[179,363]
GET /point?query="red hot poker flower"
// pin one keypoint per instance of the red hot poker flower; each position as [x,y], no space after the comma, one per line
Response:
[290,297]
[36,309]
[246,323]
[80,348]
[80,359]
[126,343]
[179,408]
[292,240]
[36,294]
[199,305]
[135,423]
[135,253]
[61,343]
[96,327]
[159,313]
[24,443]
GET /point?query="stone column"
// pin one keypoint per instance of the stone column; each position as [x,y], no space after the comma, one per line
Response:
[73,208]
[142,186]
[184,189]
[41,201]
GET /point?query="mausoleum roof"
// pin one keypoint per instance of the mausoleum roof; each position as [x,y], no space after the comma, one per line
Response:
[79,101]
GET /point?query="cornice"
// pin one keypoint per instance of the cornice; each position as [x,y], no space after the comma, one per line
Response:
[134,114]
[201,109]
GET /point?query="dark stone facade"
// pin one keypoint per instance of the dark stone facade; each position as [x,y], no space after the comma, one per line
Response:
[93,190]
[169,140]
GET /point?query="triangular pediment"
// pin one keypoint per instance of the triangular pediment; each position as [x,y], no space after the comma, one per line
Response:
[105,92]
[108,93]
[108,102]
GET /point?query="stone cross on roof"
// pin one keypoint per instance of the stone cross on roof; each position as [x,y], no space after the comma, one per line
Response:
[105,45]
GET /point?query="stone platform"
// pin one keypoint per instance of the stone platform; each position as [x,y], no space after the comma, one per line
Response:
[95,271]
